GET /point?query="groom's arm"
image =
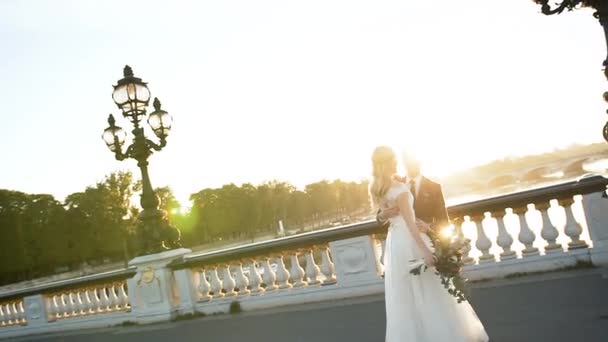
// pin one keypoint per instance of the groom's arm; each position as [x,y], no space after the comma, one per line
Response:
[382,221]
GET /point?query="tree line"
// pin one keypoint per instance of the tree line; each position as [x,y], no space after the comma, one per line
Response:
[42,235]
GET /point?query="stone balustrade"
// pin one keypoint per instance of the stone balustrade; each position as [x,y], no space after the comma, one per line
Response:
[538,230]
[12,313]
[86,302]
[286,271]
[260,275]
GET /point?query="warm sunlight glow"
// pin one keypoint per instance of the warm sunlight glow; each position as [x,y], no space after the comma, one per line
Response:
[447,232]
[247,109]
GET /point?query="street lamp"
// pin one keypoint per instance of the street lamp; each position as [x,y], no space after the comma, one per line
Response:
[131,95]
[601,13]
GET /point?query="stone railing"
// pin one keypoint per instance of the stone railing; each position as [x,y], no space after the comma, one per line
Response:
[543,229]
[536,230]
[12,313]
[291,270]
[87,302]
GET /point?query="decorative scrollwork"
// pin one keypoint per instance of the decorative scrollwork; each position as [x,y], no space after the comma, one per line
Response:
[565,4]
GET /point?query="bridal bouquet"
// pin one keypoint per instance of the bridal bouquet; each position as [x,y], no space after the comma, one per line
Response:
[448,251]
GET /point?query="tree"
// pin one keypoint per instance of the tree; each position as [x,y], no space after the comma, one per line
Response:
[168,202]
[106,217]
[40,234]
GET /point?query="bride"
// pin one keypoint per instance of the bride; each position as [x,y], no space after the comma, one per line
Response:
[418,308]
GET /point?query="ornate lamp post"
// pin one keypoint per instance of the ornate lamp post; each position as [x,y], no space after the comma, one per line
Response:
[131,95]
[601,13]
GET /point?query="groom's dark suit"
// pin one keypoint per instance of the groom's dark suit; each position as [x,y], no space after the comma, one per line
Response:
[429,204]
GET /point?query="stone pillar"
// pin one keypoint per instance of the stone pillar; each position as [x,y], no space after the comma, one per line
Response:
[187,290]
[35,308]
[595,206]
[355,261]
[153,291]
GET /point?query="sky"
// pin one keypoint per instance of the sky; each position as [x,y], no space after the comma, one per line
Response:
[298,91]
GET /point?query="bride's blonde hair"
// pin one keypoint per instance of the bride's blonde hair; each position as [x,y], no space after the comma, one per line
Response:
[384,165]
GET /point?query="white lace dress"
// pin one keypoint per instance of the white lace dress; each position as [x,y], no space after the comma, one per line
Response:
[419,308]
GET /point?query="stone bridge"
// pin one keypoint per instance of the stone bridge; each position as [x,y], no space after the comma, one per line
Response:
[538,272]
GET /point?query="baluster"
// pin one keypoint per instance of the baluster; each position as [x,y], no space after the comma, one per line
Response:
[573,229]
[297,272]
[123,297]
[327,266]
[203,287]
[5,315]
[53,309]
[14,313]
[3,319]
[105,301]
[17,312]
[64,304]
[504,239]
[96,306]
[73,304]
[216,284]
[241,280]
[269,276]
[255,280]
[228,282]
[10,316]
[526,235]
[483,243]
[466,258]
[79,303]
[378,252]
[21,310]
[548,232]
[282,274]
[114,297]
[87,302]
[58,306]
[312,270]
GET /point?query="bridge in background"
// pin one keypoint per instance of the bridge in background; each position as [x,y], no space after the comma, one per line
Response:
[532,280]
[512,179]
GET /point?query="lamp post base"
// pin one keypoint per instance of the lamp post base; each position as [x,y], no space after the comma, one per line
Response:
[155,233]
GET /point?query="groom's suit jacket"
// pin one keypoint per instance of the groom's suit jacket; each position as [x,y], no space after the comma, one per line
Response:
[429,204]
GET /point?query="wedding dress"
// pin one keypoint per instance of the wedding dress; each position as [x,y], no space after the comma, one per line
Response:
[418,307]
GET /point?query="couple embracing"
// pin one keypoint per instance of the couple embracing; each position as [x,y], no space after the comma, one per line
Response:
[418,308]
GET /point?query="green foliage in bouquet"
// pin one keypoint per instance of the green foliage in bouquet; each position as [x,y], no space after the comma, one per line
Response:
[449,253]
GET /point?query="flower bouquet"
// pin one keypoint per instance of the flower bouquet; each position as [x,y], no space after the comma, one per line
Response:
[448,251]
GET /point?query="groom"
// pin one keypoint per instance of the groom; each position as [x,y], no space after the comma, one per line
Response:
[429,205]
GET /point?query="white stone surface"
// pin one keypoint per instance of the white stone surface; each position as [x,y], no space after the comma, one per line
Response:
[355,261]
[153,290]
[595,206]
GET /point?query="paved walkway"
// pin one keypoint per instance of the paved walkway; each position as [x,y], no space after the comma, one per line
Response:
[568,306]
